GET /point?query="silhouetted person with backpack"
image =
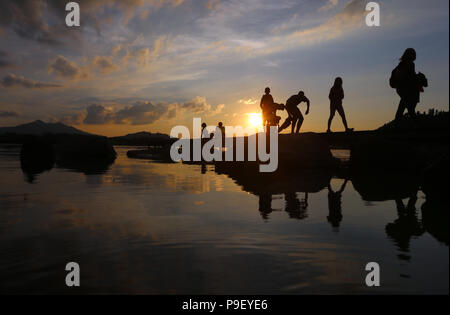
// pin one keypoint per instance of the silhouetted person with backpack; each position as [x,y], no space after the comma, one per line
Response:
[408,84]
[295,116]
[336,96]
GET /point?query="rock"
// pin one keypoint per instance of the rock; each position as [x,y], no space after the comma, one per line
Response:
[305,151]
[385,185]
[435,183]
[375,153]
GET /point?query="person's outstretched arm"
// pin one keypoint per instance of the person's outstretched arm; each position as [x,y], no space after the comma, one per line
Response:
[308,103]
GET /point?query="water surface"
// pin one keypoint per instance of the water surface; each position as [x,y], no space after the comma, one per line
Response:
[151,228]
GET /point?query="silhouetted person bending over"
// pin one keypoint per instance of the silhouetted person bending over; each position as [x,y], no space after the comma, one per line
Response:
[408,84]
[336,96]
[267,105]
[295,116]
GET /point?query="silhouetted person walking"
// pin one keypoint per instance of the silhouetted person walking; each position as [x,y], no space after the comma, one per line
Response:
[408,84]
[336,96]
[295,116]
[267,105]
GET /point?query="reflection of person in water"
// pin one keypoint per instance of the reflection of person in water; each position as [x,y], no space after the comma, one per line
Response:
[297,209]
[406,226]
[335,205]
[265,205]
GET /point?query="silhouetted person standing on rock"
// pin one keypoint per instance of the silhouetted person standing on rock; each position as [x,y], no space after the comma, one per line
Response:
[408,84]
[267,105]
[336,96]
[222,131]
[295,116]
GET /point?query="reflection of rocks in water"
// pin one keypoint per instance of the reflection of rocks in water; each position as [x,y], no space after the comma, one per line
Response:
[266,185]
[435,180]
[435,218]
[86,154]
[36,157]
[406,227]
[435,210]
[87,168]
[383,186]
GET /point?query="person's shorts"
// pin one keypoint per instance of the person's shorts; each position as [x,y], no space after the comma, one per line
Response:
[294,112]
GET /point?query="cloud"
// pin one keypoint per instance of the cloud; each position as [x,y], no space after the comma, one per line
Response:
[12,81]
[65,69]
[26,19]
[329,5]
[217,110]
[140,112]
[42,20]
[250,101]
[197,105]
[8,114]
[350,18]
[4,62]
[75,119]
[211,4]
[104,64]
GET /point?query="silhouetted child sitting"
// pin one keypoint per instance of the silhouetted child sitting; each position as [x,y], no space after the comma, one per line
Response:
[336,96]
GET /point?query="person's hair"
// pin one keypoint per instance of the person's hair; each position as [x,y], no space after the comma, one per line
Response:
[267,90]
[409,55]
[338,81]
[220,124]
[204,125]
[301,93]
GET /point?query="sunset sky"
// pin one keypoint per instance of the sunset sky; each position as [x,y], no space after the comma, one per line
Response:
[148,65]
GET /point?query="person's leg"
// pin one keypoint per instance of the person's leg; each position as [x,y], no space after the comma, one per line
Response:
[341,112]
[300,122]
[294,123]
[332,113]
[412,110]
[400,110]
[285,124]
[295,114]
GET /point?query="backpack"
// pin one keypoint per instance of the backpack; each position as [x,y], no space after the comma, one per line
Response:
[423,81]
[395,78]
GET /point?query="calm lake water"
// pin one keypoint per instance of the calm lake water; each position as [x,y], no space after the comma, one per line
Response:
[142,227]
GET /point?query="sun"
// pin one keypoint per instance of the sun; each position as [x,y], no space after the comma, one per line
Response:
[255,119]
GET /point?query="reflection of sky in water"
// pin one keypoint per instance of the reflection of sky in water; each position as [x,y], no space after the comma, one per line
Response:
[146,227]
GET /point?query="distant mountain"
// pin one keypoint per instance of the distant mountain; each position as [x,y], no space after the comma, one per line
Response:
[40,128]
[142,138]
